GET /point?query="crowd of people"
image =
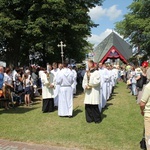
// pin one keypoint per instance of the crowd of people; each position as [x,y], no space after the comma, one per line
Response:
[16,86]
[57,81]
[98,83]
[105,77]
[136,78]
[58,85]
[138,83]
[20,85]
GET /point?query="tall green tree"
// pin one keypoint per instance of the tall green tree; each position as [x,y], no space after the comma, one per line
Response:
[136,25]
[28,26]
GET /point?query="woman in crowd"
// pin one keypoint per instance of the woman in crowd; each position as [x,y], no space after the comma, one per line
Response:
[2,89]
[122,73]
[8,82]
[18,84]
[28,72]
[133,81]
[34,77]
[27,89]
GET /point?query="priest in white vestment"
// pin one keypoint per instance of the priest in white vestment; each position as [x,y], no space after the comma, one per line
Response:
[65,80]
[116,73]
[74,85]
[111,80]
[106,82]
[91,86]
[103,88]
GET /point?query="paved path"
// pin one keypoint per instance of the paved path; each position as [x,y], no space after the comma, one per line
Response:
[11,145]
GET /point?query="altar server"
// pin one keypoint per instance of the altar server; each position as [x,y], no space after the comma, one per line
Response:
[47,91]
[91,86]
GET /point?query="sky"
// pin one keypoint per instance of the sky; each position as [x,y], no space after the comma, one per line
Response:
[106,16]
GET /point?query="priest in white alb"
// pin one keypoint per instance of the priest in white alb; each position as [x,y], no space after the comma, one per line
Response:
[103,87]
[55,71]
[75,78]
[65,80]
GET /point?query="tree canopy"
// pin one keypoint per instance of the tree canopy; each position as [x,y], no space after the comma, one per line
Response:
[136,25]
[28,26]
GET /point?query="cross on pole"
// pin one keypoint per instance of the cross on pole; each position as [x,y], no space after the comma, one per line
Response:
[61,45]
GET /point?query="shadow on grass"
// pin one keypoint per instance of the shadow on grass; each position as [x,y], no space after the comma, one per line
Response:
[103,116]
[76,111]
[103,110]
[18,110]
[115,93]
[116,87]
[108,104]
[36,102]
[112,96]
[37,98]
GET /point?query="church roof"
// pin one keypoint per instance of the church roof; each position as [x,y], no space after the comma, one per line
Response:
[112,40]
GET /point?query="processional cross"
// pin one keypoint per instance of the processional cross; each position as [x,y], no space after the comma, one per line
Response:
[61,45]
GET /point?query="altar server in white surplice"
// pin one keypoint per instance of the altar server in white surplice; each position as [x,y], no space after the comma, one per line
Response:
[65,80]
[55,72]
[91,86]
[47,91]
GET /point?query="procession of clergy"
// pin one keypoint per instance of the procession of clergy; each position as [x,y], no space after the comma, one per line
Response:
[59,86]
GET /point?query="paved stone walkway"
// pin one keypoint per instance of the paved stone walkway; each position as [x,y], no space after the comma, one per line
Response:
[12,145]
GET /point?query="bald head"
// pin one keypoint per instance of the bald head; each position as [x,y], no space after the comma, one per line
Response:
[1,69]
[100,65]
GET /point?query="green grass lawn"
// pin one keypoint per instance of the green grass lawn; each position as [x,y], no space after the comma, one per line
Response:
[121,128]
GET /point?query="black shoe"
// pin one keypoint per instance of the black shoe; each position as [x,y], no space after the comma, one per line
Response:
[98,122]
[89,121]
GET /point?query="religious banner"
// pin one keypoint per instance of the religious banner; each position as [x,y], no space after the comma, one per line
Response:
[113,54]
